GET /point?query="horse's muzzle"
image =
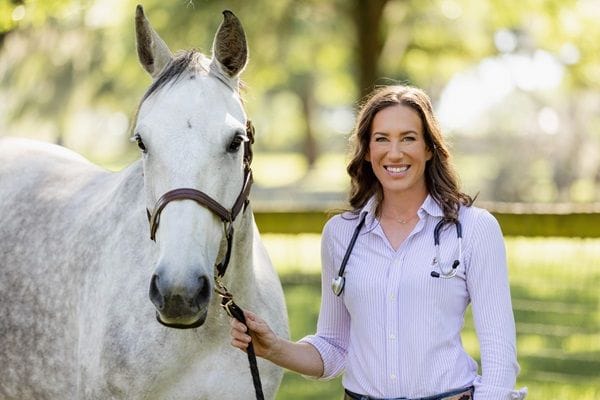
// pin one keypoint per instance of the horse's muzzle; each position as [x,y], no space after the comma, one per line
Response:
[180,306]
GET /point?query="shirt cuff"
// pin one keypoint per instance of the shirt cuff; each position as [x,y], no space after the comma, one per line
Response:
[489,392]
[332,356]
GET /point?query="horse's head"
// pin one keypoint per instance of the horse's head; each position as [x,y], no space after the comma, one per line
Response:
[191,129]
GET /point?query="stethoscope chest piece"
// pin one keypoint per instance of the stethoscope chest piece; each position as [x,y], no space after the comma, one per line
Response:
[337,285]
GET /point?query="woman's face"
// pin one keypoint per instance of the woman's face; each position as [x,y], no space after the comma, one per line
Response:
[397,151]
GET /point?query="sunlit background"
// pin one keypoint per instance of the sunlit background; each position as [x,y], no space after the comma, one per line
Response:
[516,86]
[515,83]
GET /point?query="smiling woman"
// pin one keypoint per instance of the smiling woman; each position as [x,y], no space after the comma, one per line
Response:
[377,257]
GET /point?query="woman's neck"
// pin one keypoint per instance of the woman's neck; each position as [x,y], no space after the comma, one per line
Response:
[402,205]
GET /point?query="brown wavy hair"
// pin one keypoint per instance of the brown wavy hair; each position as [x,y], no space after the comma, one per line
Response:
[440,176]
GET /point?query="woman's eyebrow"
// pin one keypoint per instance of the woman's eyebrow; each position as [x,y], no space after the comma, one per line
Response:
[401,133]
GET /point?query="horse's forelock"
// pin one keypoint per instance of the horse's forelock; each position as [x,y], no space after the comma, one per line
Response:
[183,62]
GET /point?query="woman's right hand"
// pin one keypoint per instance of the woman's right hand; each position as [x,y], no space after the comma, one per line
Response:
[263,338]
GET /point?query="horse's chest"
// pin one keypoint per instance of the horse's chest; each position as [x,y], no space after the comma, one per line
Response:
[197,370]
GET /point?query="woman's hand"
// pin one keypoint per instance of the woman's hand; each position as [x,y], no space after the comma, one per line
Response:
[300,357]
[265,341]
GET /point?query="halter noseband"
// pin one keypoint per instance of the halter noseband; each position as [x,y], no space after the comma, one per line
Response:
[205,200]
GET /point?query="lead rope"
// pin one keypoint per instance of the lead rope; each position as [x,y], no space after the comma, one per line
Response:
[234,311]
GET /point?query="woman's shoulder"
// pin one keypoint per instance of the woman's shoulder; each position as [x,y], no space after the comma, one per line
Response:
[339,223]
[478,218]
[474,213]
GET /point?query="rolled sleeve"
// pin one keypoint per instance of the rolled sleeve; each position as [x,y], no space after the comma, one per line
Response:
[333,356]
[489,392]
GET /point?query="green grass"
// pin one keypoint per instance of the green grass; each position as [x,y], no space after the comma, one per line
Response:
[556,301]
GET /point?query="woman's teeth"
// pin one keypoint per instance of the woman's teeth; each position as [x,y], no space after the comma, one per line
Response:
[397,170]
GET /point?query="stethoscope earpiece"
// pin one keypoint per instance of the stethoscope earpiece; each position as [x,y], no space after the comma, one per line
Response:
[436,260]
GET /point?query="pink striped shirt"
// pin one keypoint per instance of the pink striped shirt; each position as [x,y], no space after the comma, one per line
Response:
[395,330]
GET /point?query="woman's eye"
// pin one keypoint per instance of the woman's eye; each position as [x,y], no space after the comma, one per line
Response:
[236,143]
[408,139]
[380,139]
[139,141]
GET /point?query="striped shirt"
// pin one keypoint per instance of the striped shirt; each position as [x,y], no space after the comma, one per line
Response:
[395,330]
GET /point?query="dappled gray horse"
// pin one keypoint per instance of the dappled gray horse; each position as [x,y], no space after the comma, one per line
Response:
[88,303]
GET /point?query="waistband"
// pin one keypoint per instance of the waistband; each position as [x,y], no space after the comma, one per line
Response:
[465,393]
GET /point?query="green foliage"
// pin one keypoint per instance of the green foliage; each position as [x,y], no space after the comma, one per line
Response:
[69,73]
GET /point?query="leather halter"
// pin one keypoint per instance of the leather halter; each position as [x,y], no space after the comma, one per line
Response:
[227,216]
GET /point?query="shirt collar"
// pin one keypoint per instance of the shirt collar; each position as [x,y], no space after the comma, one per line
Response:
[429,207]
[369,208]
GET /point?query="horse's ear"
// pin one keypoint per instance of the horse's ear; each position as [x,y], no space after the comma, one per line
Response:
[230,49]
[152,51]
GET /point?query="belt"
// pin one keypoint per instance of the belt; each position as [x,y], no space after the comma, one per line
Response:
[456,394]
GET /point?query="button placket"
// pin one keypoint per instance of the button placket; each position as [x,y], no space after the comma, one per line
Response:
[391,305]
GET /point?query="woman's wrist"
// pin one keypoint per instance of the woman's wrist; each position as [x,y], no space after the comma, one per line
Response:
[276,350]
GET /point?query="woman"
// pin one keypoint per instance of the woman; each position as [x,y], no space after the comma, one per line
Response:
[395,327]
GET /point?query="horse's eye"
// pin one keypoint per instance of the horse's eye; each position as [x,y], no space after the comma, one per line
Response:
[139,141]
[236,143]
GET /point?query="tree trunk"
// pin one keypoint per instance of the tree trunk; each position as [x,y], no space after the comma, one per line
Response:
[368,16]
[306,94]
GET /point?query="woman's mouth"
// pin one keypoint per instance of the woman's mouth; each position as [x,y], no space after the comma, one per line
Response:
[396,169]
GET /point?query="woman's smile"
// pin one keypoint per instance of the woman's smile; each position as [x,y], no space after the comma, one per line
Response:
[396,170]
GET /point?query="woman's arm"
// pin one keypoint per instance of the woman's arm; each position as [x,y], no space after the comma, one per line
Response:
[487,281]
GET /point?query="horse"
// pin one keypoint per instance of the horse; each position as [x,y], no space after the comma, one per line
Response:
[90,307]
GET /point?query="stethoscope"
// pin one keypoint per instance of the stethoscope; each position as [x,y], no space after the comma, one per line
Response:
[338,283]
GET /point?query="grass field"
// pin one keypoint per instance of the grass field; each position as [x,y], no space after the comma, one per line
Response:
[556,300]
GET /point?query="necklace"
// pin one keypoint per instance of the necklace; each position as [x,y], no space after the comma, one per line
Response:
[399,220]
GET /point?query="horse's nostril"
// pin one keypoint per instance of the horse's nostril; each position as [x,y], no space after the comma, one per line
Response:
[203,292]
[155,296]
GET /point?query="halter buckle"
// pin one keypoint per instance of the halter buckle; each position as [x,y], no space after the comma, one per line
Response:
[226,296]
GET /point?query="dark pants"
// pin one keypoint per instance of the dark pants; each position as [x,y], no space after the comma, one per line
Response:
[457,394]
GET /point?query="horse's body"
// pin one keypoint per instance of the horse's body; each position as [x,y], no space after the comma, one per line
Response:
[76,263]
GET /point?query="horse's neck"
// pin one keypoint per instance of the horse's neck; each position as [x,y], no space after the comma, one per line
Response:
[127,198]
[131,185]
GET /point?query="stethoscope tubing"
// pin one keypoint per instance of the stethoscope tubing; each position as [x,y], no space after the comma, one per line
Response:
[339,282]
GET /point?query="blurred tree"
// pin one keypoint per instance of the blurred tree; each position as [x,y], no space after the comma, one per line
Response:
[370,37]
[310,61]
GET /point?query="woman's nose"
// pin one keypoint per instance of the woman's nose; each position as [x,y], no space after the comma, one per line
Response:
[396,150]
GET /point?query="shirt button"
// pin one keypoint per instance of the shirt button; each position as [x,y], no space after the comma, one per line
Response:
[393,297]
[392,336]
[393,376]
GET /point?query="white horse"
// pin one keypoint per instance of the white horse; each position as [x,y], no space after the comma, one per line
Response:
[76,260]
